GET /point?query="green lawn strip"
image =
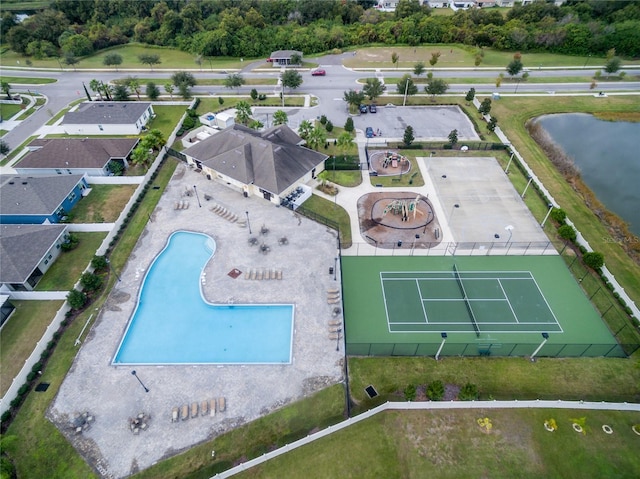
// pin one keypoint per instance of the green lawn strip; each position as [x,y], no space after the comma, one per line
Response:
[513,113]
[334,212]
[586,80]
[40,449]
[209,81]
[346,178]
[20,334]
[68,268]
[3,132]
[255,438]
[451,444]
[8,110]
[589,379]
[27,80]
[167,117]
[27,113]
[103,205]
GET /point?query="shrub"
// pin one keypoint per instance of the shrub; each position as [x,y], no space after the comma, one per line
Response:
[558,215]
[567,232]
[5,416]
[76,299]
[90,281]
[323,119]
[24,389]
[329,126]
[31,376]
[594,260]
[435,390]
[220,100]
[468,392]
[348,125]
[188,123]
[71,242]
[254,94]
[410,392]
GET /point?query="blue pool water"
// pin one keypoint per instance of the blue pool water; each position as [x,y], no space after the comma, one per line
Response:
[173,324]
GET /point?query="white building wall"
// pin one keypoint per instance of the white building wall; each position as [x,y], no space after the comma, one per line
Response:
[79,129]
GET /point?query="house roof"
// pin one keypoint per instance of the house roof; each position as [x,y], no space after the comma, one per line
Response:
[22,247]
[284,54]
[34,195]
[271,160]
[76,152]
[107,113]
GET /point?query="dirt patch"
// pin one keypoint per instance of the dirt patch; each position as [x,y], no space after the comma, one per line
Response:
[398,220]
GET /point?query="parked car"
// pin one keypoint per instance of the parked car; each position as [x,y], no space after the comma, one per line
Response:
[318,73]
[363,108]
[372,108]
[369,132]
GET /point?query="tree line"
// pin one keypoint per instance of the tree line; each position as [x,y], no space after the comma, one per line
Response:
[252,28]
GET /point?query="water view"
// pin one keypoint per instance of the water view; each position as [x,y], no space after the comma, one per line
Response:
[607,154]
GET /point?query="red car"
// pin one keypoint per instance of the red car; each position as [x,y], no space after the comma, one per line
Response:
[318,73]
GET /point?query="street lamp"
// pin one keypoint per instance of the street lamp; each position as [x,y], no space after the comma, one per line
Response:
[197,197]
[335,267]
[111,269]
[527,187]
[248,223]
[545,338]
[338,339]
[141,384]
[506,170]
[547,215]
[444,339]
[509,228]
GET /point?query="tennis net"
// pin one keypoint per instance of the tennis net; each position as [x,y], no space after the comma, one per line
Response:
[472,316]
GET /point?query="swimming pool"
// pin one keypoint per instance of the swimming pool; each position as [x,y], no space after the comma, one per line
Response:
[173,324]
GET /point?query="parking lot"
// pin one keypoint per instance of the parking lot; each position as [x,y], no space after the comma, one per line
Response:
[430,123]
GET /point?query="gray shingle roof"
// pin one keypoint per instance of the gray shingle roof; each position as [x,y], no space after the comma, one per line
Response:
[284,54]
[22,247]
[271,160]
[77,152]
[34,195]
[106,113]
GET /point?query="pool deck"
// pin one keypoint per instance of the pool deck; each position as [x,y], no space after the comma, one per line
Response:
[112,395]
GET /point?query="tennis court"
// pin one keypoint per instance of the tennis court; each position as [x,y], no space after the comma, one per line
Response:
[503,305]
[497,302]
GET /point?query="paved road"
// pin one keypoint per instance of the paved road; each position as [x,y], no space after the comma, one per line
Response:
[328,89]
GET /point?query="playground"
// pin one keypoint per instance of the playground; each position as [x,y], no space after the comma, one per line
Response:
[398,219]
[389,163]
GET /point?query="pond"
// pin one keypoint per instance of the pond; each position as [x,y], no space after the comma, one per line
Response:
[606,153]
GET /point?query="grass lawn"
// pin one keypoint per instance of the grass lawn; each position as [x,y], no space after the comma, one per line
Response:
[513,113]
[104,204]
[451,444]
[20,334]
[336,213]
[7,111]
[167,117]
[346,178]
[68,268]
[27,80]
[589,379]
[455,55]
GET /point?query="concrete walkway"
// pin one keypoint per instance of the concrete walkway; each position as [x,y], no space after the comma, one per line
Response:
[429,405]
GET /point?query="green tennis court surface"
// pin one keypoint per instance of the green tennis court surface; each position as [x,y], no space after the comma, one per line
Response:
[497,305]
[471,301]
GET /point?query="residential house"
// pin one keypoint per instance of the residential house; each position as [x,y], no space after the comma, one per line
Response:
[27,252]
[268,163]
[39,199]
[108,118]
[73,156]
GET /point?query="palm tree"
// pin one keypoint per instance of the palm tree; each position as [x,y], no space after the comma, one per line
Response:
[96,86]
[169,88]
[317,137]
[280,118]
[394,59]
[243,112]
[134,84]
[305,128]
[154,140]
[345,143]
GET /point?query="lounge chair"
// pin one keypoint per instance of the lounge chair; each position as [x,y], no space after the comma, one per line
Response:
[333,300]
[174,414]
[335,329]
[333,295]
[279,274]
[333,290]
[176,205]
[253,274]
[212,407]
[222,404]
[194,409]
[204,408]
[334,336]
[184,413]
[335,323]
[267,274]
[186,205]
